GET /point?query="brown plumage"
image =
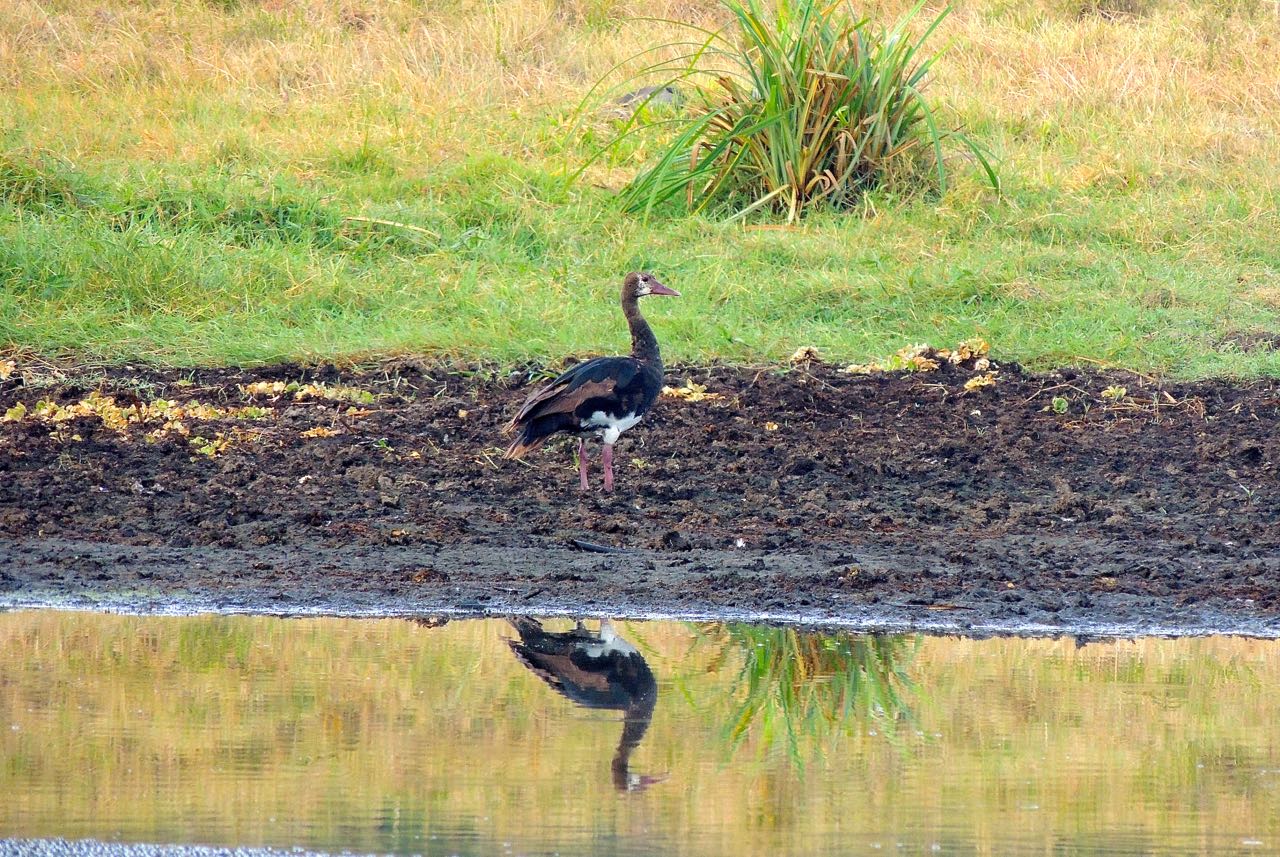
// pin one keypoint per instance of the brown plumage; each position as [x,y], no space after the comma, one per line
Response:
[605,396]
[554,399]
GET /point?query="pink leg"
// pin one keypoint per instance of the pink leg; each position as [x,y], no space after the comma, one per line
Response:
[582,465]
[606,457]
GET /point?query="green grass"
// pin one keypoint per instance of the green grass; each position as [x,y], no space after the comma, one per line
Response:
[156,208]
[208,268]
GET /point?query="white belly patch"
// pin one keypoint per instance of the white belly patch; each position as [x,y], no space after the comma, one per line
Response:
[610,427]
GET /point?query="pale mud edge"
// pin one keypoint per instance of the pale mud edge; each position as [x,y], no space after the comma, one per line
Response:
[471,581]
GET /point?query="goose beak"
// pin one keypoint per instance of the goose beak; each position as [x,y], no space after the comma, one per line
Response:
[659,289]
[640,782]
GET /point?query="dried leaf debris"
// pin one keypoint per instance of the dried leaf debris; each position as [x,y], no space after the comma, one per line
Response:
[805,355]
[169,414]
[970,354]
[161,419]
[691,392]
[303,392]
[978,382]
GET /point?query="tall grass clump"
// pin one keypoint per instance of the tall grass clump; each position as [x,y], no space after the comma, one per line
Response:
[798,104]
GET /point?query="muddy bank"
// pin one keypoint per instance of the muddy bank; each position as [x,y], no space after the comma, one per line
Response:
[1054,500]
[808,588]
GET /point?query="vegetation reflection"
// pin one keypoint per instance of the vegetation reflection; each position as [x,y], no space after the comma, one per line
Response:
[396,736]
[794,685]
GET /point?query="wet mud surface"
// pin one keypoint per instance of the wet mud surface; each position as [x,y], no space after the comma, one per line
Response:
[1053,500]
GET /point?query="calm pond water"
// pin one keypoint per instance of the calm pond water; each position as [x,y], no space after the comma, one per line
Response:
[500,737]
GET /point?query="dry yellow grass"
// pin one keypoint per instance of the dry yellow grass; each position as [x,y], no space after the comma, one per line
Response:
[433,79]
[1196,83]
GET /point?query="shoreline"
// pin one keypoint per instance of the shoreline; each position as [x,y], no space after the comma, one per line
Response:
[470,582]
[1069,500]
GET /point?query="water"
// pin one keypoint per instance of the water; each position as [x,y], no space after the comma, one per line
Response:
[395,736]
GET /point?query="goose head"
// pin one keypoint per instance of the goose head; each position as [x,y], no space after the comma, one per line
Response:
[638,284]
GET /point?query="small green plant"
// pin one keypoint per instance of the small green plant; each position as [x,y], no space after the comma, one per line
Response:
[799,105]
[210,447]
[1115,393]
[1059,405]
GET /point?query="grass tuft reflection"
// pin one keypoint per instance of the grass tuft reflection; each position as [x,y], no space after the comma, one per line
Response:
[796,685]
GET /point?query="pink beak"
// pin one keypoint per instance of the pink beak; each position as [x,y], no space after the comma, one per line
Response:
[659,289]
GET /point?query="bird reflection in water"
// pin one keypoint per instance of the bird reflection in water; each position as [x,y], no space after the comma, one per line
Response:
[596,670]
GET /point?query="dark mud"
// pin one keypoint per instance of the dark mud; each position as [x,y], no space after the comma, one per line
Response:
[1037,502]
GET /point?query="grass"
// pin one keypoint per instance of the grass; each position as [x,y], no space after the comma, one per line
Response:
[209,183]
[803,106]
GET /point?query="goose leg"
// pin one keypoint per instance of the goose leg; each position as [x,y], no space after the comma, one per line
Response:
[582,465]
[606,458]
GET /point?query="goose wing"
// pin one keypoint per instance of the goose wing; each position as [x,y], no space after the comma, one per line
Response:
[603,377]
